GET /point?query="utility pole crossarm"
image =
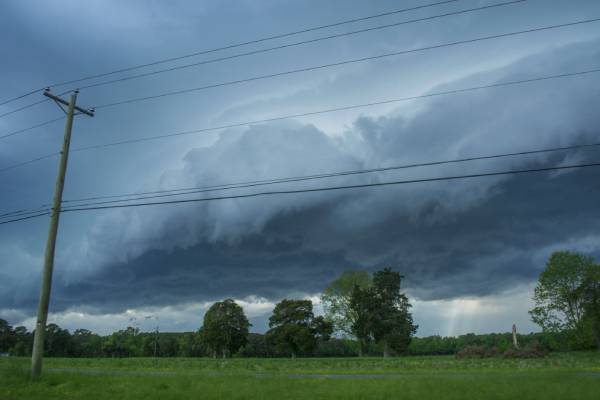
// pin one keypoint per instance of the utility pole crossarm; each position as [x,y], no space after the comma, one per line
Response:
[57,99]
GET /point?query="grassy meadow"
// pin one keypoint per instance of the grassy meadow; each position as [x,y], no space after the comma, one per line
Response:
[557,376]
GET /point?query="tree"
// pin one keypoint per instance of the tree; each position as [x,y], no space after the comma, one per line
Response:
[361,305]
[7,336]
[383,313]
[337,296]
[294,328]
[124,343]
[86,344]
[57,342]
[23,342]
[190,345]
[591,301]
[560,295]
[225,328]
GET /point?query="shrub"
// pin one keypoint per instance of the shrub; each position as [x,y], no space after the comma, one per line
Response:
[476,352]
[533,351]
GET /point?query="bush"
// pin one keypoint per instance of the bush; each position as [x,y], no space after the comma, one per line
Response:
[476,352]
[532,351]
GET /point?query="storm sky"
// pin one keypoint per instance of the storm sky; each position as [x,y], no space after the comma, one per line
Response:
[470,250]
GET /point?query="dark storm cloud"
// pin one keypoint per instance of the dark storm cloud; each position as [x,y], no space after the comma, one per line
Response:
[482,251]
[464,238]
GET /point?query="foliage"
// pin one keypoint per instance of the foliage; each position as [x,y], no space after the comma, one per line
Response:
[225,328]
[383,313]
[7,337]
[533,351]
[57,342]
[476,352]
[294,328]
[124,343]
[591,301]
[336,299]
[564,288]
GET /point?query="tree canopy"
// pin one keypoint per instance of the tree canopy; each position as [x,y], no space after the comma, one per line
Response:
[295,329]
[567,297]
[337,296]
[383,313]
[225,328]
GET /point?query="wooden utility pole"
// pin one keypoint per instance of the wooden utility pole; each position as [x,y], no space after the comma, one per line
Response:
[42,316]
[514,336]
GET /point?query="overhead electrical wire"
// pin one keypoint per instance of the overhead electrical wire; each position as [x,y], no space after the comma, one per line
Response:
[254,41]
[25,107]
[343,187]
[33,160]
[320,189]
[247,184]
[20,96]
[334,174]
[284,46]
[340,63]
[344,108]
[151,73]
[17,132]
[231,46]
[24,218]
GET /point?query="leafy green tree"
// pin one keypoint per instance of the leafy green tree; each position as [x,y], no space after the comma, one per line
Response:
[190,344]
[57,342]
[225,328]
[124,343]
[591,301]
[86,343]
[560,296]
[7,336]
[362,302]
[294,328]
[23,342]
[336,299]
[383,313]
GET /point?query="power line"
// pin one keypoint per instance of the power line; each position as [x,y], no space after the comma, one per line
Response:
[254,41]
[24,218]
[332,188]
[328,175]
[25,107]
[322,189]
[345,108]
[264,182]
[345,62]
[13,166]
[32,127]
[269,49]
[20,96]
[263,51]
[330,110]
[278,36]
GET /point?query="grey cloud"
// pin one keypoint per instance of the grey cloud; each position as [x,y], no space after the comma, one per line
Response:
[464,238]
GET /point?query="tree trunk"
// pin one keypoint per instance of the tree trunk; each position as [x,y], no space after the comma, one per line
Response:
[386,349]
[360,348]
[597,335]
[293,355]
[224,353]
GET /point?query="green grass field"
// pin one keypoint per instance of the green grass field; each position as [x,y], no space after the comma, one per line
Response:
[558,376]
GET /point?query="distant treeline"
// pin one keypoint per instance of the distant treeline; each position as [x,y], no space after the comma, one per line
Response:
[368,308]
[132,343]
